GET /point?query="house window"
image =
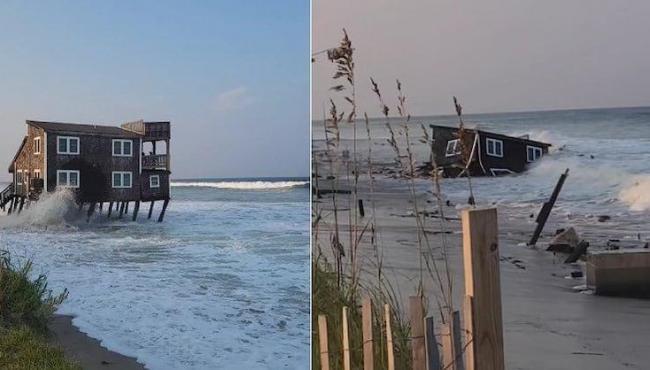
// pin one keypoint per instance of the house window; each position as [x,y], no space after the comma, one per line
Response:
[453,148]
[67,179]
[533,153]
[122,148]
[37,174]
[37,145]
[494,147]
[154,181]
[68,145]
[122,180]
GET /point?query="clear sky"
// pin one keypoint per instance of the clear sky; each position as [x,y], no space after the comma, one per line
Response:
[505,55]
[231,76]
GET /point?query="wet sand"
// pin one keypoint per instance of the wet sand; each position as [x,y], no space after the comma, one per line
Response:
[548,325]
[86,351]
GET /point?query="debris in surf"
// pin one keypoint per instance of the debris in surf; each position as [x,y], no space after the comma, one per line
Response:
[546,208]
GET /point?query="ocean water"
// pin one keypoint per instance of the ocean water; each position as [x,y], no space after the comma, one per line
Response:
[222,283]
[606,151]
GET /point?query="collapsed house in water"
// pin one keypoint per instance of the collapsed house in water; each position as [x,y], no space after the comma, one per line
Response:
[100,164]
[486,154]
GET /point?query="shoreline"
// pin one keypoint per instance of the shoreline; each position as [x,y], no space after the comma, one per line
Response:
[84,350]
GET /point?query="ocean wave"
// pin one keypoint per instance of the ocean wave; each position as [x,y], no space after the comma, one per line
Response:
[242,185]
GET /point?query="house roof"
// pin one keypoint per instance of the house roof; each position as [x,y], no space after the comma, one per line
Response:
[20,149]
[497,135]
[77,128]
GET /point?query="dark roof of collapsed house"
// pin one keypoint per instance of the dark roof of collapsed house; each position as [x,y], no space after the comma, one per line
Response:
[495,135]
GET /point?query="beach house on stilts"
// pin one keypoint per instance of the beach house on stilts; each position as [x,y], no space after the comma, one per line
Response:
[102,165]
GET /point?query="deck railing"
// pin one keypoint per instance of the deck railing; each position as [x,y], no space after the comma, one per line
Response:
[6,194]
[154,162]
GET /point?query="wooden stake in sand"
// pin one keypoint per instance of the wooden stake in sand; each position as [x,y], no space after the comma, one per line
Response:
[389,339]
[366,319]
[546,208]
[482,284]
[322,341]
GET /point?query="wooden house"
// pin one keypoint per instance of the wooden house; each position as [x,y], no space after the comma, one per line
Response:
[486,153]
[100,164]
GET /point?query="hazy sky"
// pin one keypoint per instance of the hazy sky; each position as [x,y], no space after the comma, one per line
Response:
[494,55]
[232,76]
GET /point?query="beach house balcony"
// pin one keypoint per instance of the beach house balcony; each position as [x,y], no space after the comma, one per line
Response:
[155,162]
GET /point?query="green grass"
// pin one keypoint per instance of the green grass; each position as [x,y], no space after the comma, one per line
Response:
[329,299]
[23,348]
[26,306]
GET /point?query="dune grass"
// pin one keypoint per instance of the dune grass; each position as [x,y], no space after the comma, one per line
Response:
[329,297]
[26,305]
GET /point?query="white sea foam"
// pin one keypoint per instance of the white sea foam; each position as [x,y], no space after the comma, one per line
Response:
[242,185]
[637,194]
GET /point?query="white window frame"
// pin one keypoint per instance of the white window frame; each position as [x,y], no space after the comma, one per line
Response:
[38,145]
[121,153]
[122,173]
[37,172]
[67,139]
[456,148]
[67,185]
[494,142]
[500,171]
[536,150]
[157,177]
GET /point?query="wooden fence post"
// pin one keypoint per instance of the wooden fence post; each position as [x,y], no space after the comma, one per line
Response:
[322,341]
[433,355]
[390,354]
[483,286]
[366,320]
[346,341]
[417,333]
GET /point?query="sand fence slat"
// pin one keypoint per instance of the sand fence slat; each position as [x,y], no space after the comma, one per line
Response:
[390,354]
[322,341]
[346,341]
[482,284]
[368,343]
[433,354]
[416,311]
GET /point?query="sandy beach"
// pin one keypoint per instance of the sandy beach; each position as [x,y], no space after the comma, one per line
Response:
[86,351]
[548,324]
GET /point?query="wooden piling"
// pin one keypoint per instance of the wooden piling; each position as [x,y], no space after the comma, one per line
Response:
[322,342]
[482,284]
[390,354]
[366,324]
[162,213]
[110,209]
[136,208]
[122,205]
[362,212]
[546,209]
[151,209]
[11,205]
[22,204]
[101,207]
[346,341]
[433,355]
[126,209]
[417,333]
[91,210]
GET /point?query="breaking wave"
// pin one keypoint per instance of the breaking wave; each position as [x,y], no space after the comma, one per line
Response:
[242,185]
[53,209]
